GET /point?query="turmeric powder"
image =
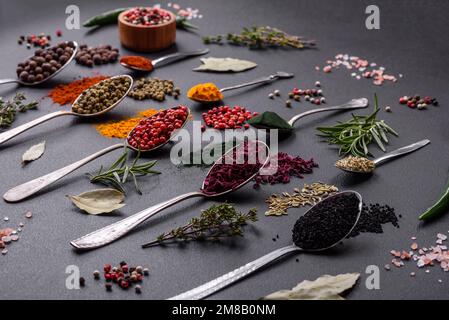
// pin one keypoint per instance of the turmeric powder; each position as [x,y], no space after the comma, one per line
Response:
[120,129]
[205,92]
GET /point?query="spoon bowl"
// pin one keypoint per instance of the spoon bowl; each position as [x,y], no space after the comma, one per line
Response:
[273,77]
[75,50]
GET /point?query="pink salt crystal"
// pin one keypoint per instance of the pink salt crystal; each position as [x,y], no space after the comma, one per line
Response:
[327,69]
[439,241]
[412,274]
[441,236]
[387,267]
[420,263]
[405,255]
[317,68]
[414,246]
[5,232]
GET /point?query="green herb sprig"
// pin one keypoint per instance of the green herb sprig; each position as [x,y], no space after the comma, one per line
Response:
[260,37]
[9,109]
[219,221]
[119,172]
[355,135]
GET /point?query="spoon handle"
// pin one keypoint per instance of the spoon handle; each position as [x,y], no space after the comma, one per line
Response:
[350,105]
[219,283]
[5,81]
[118,229]
[29,188]
[247,84]
[179,55]
[401,151]
[5,136]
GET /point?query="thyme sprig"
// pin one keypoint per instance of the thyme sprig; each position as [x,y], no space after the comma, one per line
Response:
[9,109]
[355,135]
[119,172]
[260,37]
[219,221]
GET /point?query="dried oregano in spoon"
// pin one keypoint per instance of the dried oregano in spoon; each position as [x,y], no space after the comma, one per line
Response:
[219,221]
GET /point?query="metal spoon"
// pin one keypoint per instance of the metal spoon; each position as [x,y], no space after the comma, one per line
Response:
[118,229]
[391,155]
[5,136]
[167,59]
[29,188]
[5,81]
[277,75]
[219,283]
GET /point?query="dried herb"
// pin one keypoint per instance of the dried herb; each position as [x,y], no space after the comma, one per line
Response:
[355,135]
[219,221]
[33,153]
[270,120]
[225,65]
[119,172]
[324,288]
[261,37]
[9,109]
[99,201]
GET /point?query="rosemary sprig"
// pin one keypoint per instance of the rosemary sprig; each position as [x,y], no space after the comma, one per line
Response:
[119,172]
[9,109]
[355,135]
[260,37]
[219,221]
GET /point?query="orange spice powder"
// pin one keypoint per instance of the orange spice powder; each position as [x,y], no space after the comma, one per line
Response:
[67,93]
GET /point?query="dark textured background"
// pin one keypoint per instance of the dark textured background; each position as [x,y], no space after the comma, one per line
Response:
[412,41]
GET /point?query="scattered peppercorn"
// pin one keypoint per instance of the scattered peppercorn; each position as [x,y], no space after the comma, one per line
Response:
[96,274]
[153,88]
[418,102]
[82,282]
[288,104]
[147,16]
[225,117]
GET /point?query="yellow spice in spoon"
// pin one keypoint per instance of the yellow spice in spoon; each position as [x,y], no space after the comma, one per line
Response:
[205,92]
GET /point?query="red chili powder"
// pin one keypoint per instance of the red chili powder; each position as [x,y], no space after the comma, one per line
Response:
[67,93]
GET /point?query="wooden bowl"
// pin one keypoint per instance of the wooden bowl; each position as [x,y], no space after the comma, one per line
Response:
[147,38]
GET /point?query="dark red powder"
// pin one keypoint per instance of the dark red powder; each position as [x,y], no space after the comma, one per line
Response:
[288,166]
[232,172]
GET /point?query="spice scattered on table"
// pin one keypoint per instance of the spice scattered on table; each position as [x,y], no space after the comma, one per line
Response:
[287,166]
[154,88]
[215,223]
[438,208]
[359,68]
[372,217]
[147,16]
[324,288]
[90,56]
[67,93]
[102,95]
[157,130]
[309,195]
[225,117]
[418,102]
[120,172]
[355,135]
[314,96]
[327,222]
[205,92]
[137,62]
[238,166]
[424,257]
[9,235]
[225,65]
[188,12]
[358,164]
[121,129]
[123,275]
[261,37]
[9,108]
[45,62]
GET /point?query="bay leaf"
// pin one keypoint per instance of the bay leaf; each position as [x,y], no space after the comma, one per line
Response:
[324,288]
[33,153]
[225,65]
[270,120]
[99,201]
